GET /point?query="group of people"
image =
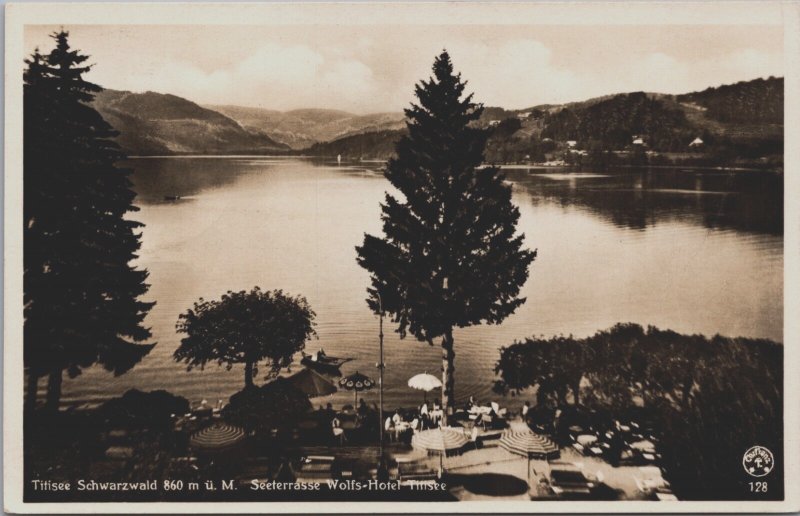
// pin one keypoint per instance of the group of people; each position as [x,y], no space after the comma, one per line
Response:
[425,416]
[348,417]
[422,418]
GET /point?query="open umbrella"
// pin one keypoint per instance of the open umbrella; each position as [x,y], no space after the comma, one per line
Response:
[312,383]
[529,445]
[216,438]
[356,382]
[439,440]
[424,382]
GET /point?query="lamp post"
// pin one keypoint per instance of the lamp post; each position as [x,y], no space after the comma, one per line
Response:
[383,472]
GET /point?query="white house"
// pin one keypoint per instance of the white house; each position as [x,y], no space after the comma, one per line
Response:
[571,143]
[696,142]
[638,140]
[523,115]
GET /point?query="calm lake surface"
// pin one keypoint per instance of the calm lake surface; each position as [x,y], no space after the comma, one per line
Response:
[693,251]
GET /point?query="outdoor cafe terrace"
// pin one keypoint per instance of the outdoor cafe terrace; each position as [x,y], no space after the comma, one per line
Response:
[486,451]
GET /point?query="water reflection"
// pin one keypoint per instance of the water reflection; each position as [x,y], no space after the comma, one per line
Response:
[740,200]
[612,247]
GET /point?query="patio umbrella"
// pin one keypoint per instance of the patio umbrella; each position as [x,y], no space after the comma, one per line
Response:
[439,440]
[312,383]
[529,445]
[424,382]
[217,437]
[356,382]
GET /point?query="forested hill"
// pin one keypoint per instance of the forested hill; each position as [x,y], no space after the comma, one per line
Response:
[742,120]
[758,101]
[160,124]
[377,144]
[302,128]
[615,121]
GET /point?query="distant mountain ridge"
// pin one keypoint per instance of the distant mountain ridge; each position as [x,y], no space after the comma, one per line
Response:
[161,124]
[302,128]
[744,119]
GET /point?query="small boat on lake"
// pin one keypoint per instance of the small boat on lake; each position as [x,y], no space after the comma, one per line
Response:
[323,362]
[172,197]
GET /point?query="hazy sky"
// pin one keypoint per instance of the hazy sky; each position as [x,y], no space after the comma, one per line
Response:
[374,68]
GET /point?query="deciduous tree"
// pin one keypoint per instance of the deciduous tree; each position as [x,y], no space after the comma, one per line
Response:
[245,328]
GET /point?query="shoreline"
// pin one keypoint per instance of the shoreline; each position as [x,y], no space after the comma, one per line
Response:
[505,166]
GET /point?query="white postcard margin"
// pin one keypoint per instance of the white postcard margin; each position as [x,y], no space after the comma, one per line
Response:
[785,15]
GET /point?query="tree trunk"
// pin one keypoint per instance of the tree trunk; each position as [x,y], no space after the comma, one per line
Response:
[32,392]
[54,390]
[686,392]
[576,392]
[248,375]
[448,377]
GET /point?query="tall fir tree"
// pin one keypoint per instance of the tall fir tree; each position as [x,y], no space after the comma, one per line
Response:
[82,302]
[449,257]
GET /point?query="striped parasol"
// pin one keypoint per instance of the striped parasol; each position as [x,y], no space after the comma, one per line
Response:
[356,382]
[530,445]
[217,437]
[439,440]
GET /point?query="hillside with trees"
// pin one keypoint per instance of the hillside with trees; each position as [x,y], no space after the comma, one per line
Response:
[302,128]
[747,102]
[375,145]
[616,121]
[738,122]
[158,124]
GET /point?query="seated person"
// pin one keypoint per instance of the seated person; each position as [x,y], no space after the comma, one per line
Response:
[424,416]
[388,426]
[338,431]
[362,408]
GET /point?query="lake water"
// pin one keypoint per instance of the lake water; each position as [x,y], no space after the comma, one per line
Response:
[693,251]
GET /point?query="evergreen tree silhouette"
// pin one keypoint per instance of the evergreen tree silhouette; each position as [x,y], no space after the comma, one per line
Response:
[82,302]
[449,256]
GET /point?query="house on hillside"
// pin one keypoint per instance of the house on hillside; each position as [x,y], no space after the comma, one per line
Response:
[524,115]
[571,143]
[697,142]
[494,123]
[638,140]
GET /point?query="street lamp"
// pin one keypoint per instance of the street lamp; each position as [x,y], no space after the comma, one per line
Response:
[383,471]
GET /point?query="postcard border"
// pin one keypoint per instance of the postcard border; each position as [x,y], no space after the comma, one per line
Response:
[18,15]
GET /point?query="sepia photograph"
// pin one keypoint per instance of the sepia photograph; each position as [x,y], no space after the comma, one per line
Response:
[520,256]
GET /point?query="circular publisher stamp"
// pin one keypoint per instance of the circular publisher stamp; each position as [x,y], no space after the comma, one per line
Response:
[758,461]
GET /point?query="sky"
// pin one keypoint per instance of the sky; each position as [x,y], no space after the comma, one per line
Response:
[373,68]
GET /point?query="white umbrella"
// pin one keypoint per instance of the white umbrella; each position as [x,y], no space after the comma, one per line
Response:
[424,382]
